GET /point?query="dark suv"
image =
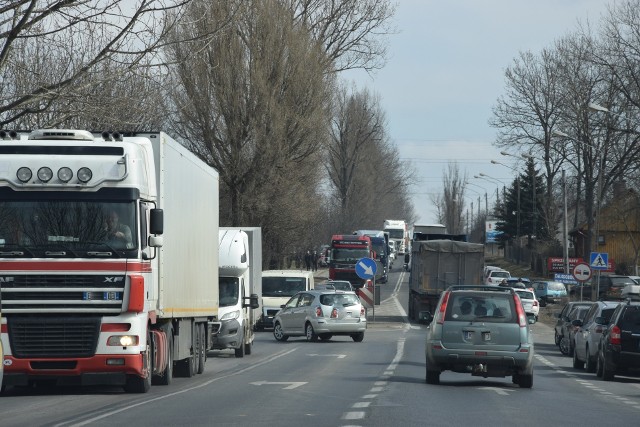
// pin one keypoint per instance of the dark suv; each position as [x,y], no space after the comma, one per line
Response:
[619,348]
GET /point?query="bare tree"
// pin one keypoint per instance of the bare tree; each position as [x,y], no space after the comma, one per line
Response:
[56,48]
[450,204]
[351,32]
[252,102]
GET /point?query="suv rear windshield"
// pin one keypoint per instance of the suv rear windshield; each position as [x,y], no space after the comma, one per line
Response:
[498,307]
[555,286]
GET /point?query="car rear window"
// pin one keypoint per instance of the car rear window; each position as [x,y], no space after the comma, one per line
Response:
[490,307]
[556,287]
[525,294]
[499,274]
[343,300]
[631,320]
[620,282]
[607,312]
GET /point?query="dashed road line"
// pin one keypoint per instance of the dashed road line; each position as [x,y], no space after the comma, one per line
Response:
[588,384]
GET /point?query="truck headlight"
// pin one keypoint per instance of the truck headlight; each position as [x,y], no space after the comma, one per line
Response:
[122,340]
[231,315]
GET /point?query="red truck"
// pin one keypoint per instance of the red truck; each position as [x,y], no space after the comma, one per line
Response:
[346,251]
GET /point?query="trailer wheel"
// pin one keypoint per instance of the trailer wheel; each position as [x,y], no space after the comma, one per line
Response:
[136,384]
[167,375]
[202,348]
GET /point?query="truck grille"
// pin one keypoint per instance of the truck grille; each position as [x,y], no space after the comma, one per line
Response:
[53,336]
[68,293]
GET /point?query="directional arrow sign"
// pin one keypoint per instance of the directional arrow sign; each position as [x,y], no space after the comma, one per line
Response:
[366,268]
[290,385]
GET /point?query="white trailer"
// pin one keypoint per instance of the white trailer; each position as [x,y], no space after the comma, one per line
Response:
[137,296]
[240,284]
[399,233]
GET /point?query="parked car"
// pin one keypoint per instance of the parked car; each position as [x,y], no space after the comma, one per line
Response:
[482,331]
[587,337]
[610,287]
[338,285]
[619,348]
[563,317]
[494,277]
[569,328]
[549,291]
[530,304]
[321,314]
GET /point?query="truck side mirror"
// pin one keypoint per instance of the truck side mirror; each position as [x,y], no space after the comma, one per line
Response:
[156,221]
[253,301]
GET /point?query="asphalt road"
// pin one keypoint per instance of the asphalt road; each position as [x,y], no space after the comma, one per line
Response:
[379,382]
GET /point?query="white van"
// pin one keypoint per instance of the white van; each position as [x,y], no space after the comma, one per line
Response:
[277,287]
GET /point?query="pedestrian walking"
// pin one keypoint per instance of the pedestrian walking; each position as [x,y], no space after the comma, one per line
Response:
[307,260]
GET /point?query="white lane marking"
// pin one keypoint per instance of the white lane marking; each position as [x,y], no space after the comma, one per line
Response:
[376,389]
[587,383]
[361,405]
[339,356]
[369,396]
[500,391]
[176,393]
[380,383]
[290,385]
[356,415]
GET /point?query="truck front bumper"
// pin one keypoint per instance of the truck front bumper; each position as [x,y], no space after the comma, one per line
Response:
[229,335]
[97,370]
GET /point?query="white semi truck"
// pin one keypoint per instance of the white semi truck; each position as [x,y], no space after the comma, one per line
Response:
[399,233]
[240,278]
[108,258]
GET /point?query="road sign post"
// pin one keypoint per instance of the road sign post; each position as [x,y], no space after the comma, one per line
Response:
[582,273]
[366,269]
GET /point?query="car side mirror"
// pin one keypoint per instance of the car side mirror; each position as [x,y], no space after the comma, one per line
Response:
[425,317]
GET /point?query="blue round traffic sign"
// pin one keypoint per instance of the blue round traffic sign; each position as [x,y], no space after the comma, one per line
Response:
[366,268]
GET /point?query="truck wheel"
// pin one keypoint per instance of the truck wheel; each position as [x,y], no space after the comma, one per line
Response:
[167,375]
[248,348]
[136,384]
[240,350]
[202,350]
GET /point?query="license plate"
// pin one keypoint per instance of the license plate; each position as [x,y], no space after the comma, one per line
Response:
[468,335]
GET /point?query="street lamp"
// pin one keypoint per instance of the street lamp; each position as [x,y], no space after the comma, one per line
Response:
[534,190]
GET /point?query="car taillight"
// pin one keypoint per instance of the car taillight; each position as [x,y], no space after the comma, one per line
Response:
[319,312]
[443,308]
[362,311]
[535,303]
[520,314]
[614,336]
[334,313]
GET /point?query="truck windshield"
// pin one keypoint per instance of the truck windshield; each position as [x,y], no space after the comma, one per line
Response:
[395,234]
[349,254]
[282,286]
[71,228]
[229,291]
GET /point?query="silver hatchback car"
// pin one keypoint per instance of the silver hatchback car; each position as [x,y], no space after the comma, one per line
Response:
[480,330]
[321,314]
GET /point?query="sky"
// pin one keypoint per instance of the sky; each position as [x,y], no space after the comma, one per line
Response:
[444,74]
